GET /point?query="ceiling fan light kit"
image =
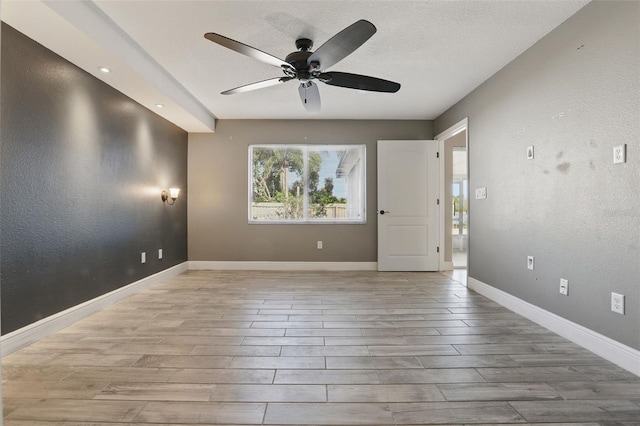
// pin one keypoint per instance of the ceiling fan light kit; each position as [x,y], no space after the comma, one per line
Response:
[305,65]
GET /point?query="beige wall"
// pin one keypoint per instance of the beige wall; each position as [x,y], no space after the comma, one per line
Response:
[218,191]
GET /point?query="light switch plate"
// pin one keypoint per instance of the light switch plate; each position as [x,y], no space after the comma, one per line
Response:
[564,286]
[481,193]
[530,262]
[530,152]
[620,154]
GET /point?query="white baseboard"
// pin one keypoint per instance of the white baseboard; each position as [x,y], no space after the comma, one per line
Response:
[282,266]
[24,336]
[609,349]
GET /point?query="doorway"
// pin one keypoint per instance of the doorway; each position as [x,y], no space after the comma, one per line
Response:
[454,189]
[460,208]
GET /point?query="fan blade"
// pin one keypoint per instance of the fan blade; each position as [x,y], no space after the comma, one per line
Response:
[258,85]
[342,44]
[252,52]
[360,82]
[310,97]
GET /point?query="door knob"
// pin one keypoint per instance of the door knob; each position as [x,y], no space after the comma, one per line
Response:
[383,212]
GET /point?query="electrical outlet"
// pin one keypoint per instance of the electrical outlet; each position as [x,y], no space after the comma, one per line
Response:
[617,303]
[530,152]
[620,154]
[143,258]
[159,253]
[481,193]
[319,245]
[530,262]
[564,286]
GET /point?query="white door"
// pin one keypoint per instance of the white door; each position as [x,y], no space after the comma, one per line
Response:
[408,233]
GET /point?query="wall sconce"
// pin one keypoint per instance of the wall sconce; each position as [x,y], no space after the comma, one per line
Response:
[173,194]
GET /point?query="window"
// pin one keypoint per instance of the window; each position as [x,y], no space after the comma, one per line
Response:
[307,184]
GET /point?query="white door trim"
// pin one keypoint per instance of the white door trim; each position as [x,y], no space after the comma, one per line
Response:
[453,130]
[460,126]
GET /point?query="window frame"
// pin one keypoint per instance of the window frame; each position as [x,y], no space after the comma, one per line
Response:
[306,148]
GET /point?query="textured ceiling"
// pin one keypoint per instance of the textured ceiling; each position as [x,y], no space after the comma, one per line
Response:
[438,50]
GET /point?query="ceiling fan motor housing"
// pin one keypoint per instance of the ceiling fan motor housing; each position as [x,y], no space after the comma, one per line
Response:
[299,60]
[304,44]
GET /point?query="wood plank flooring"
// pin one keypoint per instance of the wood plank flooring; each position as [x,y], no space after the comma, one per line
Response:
[322,348]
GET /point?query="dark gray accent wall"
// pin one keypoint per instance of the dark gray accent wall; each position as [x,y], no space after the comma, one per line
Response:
[82,167]
[574,95]
[218,188]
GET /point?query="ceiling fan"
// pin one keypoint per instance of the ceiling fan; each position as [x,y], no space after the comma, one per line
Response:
[306,66]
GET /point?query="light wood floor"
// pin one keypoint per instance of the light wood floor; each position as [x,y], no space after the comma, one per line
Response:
[311,348]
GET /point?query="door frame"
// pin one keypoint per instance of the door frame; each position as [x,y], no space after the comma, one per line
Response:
[442,137]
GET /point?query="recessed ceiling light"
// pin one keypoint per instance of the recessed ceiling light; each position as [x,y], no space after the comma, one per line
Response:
[160,105]
[105,70]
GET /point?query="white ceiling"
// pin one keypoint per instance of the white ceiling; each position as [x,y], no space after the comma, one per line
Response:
[439,51]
